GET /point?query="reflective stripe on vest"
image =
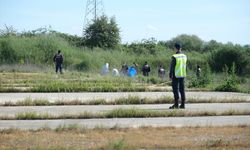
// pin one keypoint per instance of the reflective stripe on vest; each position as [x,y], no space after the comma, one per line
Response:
[180,66]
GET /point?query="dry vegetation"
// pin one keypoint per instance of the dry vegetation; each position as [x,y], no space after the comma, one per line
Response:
[120,101]
[141,138]
[124,113]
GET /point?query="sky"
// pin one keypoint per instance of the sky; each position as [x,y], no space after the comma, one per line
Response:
[220,20]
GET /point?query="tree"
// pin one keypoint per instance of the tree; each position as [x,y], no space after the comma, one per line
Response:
[227,55]
[8,31]
[188,42]
[210,46]
[103,32]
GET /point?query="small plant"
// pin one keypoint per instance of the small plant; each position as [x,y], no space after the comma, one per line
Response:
[32,116]
[216,143]
[119,144]
[124,113]
[84,65]
[230,84]
[9,131]
[203,80]
[231,112]
[64,127]
[30,102]
[62,102]
[97,102]
[153,80]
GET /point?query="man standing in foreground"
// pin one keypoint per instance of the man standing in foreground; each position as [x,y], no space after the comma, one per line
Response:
[58,59]
[177,74]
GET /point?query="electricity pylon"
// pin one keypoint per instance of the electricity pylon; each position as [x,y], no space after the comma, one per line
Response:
[94,9]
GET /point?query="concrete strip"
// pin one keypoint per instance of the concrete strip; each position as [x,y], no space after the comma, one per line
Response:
[14,97]
[76,110]
[128,122]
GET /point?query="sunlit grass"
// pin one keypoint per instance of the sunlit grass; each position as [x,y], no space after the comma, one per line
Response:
[68,82]
[125,113]
[130,100]
[94,82]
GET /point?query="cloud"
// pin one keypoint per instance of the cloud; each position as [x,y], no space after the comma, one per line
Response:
[152,28]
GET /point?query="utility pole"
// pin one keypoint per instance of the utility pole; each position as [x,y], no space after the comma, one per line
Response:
[94,9]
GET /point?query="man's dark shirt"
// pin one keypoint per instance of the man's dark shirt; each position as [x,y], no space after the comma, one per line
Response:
[58,58]
[145,69]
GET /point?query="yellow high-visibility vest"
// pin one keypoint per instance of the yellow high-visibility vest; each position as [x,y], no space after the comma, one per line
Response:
[180,66]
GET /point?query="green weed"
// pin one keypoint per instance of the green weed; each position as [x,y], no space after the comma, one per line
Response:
[230,84]
[30,102]
[119,144]
[216,143]
[32,116]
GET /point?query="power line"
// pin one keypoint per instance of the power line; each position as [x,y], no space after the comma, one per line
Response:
[94,9]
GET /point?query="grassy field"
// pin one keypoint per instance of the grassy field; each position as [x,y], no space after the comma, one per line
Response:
[147,138]
[34,53]
[94,82]
[68,82]
[26,65]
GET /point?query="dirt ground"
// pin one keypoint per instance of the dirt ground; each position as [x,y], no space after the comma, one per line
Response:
[138,138]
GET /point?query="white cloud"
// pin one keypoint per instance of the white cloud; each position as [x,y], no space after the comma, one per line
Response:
[152,28]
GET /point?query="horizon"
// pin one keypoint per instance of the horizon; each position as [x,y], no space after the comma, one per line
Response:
[224,21]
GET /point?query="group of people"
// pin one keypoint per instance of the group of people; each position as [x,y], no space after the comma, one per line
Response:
[126,71]
[132,70]
[177,73]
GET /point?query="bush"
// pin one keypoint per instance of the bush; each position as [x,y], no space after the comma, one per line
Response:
[153,80]
[47,46]
[7,53]
[203,80]
[84,65]
[226,56]
[199,82]
[230,84]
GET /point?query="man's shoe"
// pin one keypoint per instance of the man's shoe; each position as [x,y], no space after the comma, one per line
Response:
[182,106]
[173,107]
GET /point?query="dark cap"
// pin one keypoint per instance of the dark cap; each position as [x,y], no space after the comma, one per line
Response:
[177,46]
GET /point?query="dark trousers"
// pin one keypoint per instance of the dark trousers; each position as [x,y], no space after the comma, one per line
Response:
[145,73]
[58,67]
[178,86]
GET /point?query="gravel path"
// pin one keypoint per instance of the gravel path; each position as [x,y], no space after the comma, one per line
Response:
[14,97]
[128,122]
[76,110]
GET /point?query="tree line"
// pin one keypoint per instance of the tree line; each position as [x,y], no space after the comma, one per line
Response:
[104,33]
